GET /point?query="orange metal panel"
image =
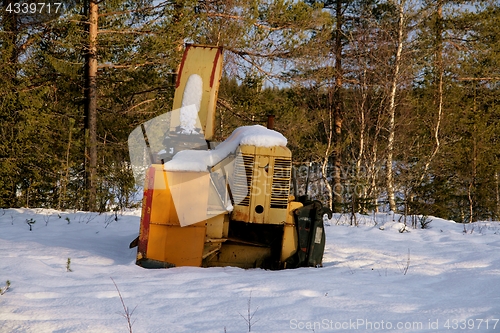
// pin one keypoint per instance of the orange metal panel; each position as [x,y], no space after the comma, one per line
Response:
[161,236]
[181,246]
[189,193]
[163,209]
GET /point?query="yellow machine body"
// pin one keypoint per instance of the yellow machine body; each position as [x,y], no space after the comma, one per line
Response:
[259,232]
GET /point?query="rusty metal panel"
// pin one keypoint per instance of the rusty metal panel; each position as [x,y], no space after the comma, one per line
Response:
[237,255]
[147,201]
[263,184]
[215,227]
[290,242]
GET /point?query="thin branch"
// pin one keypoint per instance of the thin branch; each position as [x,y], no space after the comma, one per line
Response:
[255,24]
[249,318]
[135,66]
[478,79]
[259,68]
[405,268]
[127,314]
[159,5]
[225,104]
[124,32]
[139,104]
[273,54]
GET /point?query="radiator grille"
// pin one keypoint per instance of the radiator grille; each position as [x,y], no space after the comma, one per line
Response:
[242,179]
[281,183]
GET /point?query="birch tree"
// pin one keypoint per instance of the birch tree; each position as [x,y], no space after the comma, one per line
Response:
[400,5]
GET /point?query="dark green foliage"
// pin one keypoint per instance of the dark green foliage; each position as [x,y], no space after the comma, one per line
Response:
[3,290]
[279,60]
[68,265]
[42,158]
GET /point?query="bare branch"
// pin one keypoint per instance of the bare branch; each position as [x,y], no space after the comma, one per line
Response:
[478,79]
[124,32]
[127,314]
[139,104]
[159,5]
[135,66]
[255,24]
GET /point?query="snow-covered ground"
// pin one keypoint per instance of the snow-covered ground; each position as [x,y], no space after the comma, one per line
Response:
[374,278]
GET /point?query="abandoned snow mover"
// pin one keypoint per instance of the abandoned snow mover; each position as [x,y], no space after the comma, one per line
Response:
[218,205]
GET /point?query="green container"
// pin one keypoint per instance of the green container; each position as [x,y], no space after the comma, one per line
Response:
[311,235]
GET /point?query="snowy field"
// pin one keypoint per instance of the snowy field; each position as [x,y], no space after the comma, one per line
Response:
[374,279]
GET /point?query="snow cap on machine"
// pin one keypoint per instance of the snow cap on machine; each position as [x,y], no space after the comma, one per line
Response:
[197,160]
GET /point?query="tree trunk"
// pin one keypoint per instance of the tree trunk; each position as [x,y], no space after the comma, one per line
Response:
[392,111]
[472,185]
[338,112]
[91,108]
[326,160]
[373,168]
[439,98]
[362,129]
[65,180]
[497,185]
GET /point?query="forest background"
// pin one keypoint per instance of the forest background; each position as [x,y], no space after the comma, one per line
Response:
[386,104]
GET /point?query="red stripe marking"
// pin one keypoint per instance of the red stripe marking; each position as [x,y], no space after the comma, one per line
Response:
[146,212]
[184,56]
[214,67]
